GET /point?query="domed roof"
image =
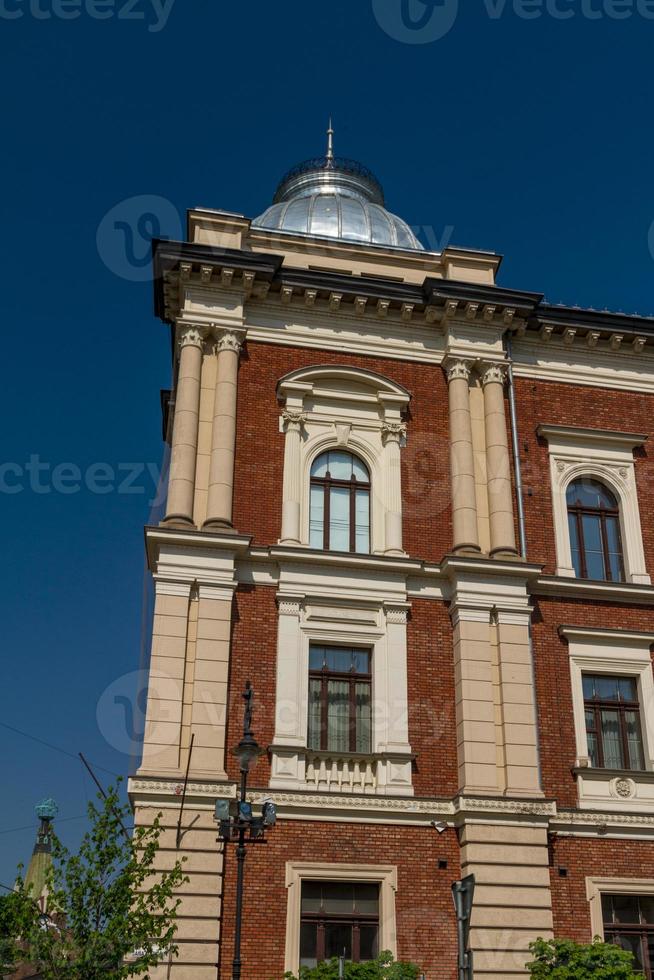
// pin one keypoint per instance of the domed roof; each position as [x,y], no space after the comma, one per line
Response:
[333,197]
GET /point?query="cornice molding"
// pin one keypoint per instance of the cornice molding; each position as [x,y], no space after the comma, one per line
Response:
[587,634]
[572,436]
[571,588]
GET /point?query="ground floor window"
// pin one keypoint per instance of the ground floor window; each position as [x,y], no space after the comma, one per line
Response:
[338,917]
[629,922]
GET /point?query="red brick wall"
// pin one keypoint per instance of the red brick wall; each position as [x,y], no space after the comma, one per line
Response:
[425,915]
[425,460]
[254,658]
[591,858]
[432,712]
[541,402]
[553,682]
[432,724]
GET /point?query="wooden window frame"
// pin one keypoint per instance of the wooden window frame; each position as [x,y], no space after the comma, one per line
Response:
[578,512]
[324,675]
[353,485]
[353,919]
[644,930]
[597,705]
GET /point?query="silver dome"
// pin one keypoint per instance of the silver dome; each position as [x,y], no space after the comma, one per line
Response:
[332,197]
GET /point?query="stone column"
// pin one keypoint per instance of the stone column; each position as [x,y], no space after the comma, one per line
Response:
[392,434]
[498,463]
[181,481]
[462,467]
[292,490]
[223,439]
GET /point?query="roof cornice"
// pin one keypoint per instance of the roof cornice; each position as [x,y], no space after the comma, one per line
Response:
[261,273]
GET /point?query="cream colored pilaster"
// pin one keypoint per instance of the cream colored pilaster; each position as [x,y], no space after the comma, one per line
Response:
[513,901]
[462,467]
[163,721]
[519,735]
[198,915]
[475,712]
[223,439]
[292,487]
[211,671]
[498,462]
[393,433]
[291,707]
[181,483]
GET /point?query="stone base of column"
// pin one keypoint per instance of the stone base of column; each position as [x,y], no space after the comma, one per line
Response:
[509,553]
[215,524]
[177,520]
[467,549]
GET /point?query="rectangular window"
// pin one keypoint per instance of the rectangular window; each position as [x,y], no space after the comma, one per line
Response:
[613,729]
[629,923]
[339,699]
[338,918]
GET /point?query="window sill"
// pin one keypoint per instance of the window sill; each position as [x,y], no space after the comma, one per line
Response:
[380,774]
[601,789]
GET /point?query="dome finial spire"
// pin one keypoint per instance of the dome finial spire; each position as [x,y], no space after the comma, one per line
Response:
[330,143]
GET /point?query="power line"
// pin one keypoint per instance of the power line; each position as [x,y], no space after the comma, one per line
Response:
[35,826]
[56,748]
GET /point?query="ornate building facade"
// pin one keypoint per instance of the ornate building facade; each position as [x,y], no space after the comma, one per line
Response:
[413,507]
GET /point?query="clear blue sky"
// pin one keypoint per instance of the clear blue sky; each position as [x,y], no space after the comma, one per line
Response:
[531,137]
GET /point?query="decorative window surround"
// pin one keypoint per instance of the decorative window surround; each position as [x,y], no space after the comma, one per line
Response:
[615,652]
[298,871]
[332,407]
[378,624]
[596,887]
[608,457]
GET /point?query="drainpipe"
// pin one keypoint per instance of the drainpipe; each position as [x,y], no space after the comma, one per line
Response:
[516,454]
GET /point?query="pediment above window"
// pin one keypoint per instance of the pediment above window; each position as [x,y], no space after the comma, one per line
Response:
[342,383]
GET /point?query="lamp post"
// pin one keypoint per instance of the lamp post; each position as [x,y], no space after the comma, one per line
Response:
[243,828]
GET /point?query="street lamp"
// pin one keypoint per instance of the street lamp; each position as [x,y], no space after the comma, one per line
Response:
[244,828]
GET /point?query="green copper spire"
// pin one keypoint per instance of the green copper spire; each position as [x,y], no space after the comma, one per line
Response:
[41,859]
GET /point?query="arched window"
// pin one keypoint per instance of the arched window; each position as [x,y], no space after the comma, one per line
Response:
[594,522]
[340,503]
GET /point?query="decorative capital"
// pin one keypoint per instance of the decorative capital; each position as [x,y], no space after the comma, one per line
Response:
[393,432]
[397,615]
[191,335]
[493,374]
[290,605]
[228,340]
[293,420]
[457,369]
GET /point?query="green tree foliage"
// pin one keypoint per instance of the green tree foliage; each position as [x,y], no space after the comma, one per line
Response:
[561,959]
[17,915]
[110,914]
[383,968]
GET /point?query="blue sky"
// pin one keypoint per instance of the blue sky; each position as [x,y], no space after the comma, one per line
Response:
[527,135]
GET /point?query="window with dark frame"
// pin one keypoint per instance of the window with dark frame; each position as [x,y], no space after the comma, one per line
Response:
[613,725]
[594,525]
[339,518]
[337,918]
[340,699]
[629,923]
